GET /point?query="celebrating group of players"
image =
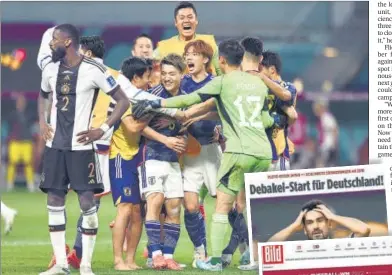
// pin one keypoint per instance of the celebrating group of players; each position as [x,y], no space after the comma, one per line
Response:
[129,133]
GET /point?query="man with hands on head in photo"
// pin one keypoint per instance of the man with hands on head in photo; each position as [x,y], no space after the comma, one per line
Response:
[317,219]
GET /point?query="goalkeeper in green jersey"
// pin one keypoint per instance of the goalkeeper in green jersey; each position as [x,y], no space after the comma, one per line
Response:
[241,101]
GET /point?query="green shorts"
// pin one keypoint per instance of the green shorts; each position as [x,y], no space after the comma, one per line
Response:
[233,166]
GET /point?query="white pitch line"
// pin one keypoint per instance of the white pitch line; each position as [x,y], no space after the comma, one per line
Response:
[46,243]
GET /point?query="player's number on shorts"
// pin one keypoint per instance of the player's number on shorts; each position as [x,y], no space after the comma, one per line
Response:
[91,167]
[66,102]
[254,106]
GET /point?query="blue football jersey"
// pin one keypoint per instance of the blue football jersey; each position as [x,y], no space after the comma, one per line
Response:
[202,130]
[165,125]
[276,105]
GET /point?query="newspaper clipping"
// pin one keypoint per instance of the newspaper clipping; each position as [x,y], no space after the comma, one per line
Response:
[327,257]
[317,204]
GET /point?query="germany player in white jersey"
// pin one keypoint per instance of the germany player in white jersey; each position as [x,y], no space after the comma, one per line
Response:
[69,156]
[94,47]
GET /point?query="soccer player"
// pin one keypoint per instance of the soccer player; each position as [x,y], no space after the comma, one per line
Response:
[123,172]
[69,157]
[328,134]
[160,173]
[185,18]
[271,66]
[134,78]
[142,46]
[8,214]
[241,97]
[94,47]
[20,145]
[315,219]
[199,171]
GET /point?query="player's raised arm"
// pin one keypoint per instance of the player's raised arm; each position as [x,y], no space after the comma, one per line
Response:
[210,90]
[45,53]
[358,227]
[285,233]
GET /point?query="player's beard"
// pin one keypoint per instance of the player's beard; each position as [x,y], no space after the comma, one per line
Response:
[58,54]
[317,235]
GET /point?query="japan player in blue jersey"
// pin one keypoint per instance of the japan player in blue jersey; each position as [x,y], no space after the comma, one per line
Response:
[160,174]
[271,66]
[199,171]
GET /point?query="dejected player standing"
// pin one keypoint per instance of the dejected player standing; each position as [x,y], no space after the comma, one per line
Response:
[241,97]
[69,156]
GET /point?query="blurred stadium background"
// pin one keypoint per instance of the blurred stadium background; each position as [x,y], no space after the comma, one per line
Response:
[323,45]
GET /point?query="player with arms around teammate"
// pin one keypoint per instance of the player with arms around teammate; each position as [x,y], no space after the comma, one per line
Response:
[316,220]
[69,157]
[160,173]
[240,98]
[185,20]
[201,170]
[271,66]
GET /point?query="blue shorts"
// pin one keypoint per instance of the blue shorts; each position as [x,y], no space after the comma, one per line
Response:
[124,180]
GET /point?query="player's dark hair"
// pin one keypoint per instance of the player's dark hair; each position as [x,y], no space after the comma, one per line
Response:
[72,31]
[135,66]
[95,44]
[232,51]
[142,35]
[184,5]
[272,59]
[253,45]
[311,205]
[174,60]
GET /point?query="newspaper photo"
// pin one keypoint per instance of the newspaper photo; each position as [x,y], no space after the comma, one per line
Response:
[363,256]
[317,204]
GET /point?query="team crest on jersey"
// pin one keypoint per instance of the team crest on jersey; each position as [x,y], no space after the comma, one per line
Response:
[110,80]
[127,191]
[151,180]
[270,99]
[65,88]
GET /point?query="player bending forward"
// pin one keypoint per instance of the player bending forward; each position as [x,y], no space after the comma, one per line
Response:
[241,99]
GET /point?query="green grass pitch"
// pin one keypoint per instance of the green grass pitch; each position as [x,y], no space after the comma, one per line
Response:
[27,249]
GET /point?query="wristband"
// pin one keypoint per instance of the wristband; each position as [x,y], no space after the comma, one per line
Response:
[104,127]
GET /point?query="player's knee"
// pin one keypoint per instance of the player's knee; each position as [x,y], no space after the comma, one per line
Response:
[192,206]
[56,198]
[136,214]
[86,200]
[174,211]
[90,218]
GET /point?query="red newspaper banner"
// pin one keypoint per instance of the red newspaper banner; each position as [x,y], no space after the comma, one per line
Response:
[353,270]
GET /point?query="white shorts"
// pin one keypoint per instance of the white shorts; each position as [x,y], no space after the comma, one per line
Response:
[282,164]
[202,169]
[157,176]
[102,163]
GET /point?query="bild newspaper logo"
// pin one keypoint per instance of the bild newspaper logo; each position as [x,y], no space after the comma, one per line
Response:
[272,254]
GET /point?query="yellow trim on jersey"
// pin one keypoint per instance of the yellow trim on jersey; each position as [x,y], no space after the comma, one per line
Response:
[124,144]
[177,46]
